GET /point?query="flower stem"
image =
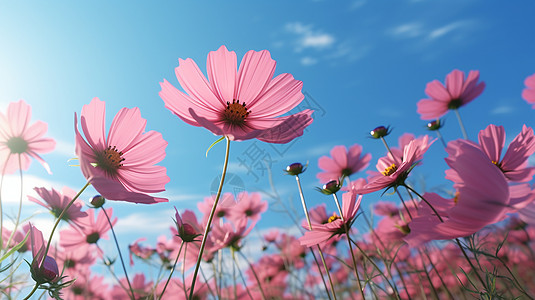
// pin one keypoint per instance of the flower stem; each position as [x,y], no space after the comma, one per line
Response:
[441,138]
[389,151]
[346,229]
[120,255]
[210,217]
[254,274]
[172,270]
[1,209]
[319,248]
[20,205]
[465,136]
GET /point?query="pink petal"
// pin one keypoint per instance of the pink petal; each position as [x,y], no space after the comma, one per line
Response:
[126,126]
[221,67]
[94,129]
[492,140]
[282,94]
[148,149]
[195,84]
[254,75]
[19,114]
[113,190]
[454,83]
[437,91]
[431,109]
[292,127]
[136,178]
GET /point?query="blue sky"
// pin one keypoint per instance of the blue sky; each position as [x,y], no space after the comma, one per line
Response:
[363,64]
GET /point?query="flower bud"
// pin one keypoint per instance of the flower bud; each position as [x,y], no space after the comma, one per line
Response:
[434,125]
[380,132]
[97,201]
[48,272]
[295,169]
[330,187]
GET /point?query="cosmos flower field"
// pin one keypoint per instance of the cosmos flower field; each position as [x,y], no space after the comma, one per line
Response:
[474,240]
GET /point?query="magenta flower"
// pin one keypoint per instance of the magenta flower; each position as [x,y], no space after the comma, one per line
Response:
[122,165]
[86,232]
[43,269]
[343,163]
[336,225]
[482,198]
[240,105]
[529,92]
[390,173]
[514,163]
[18,137]
[56,202]
[457,92]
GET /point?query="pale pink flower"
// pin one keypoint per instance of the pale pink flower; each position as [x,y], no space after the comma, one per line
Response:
[230,234]
[457,92]
[390,173]
[240,105]
[223,209]
[482,198]
[87,231]
[529,92]
[514,163]
[143,252]
[142,289]
[336,225]
[17,238]
[342,163]
[249,205]
[121,166]
[56,202]
[19,138]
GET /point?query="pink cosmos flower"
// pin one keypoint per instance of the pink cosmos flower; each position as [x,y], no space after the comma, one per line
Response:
[143,252]
[514,163]
[457,92]
[390,173]
[17,238]
[188,228]
[223,209]
[230,234]
[320,234]
[56,202]
[529,92]
[122,165]
[343,163]
[249,205]
[482,198]
[87,232]
[240,105]
[18,137]
[43,269]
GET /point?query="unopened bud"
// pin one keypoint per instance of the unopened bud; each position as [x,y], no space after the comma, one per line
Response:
[97,201]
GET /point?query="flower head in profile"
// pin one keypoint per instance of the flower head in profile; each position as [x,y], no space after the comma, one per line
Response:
[188,228]
[457,92]
[529,92]
[393,173]
[56,202]
[336,225]
[342,162]
[514,163]
[242,103]
[482,198]
[20,138]
[121,166]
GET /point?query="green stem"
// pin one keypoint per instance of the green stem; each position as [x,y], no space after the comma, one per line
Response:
[119,251]
[20,205]
[254,274]
[1,208]
[389,151]
[465,136]
[209,223]
[54,229]
[319,248]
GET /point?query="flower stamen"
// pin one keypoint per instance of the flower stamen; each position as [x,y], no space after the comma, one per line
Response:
[235,113]
[390,170]
[333,218]
[110,160]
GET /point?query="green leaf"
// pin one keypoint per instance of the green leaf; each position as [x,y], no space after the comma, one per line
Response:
[17,247]
[214,143]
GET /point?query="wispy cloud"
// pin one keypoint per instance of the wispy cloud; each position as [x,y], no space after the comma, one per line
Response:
[408,30]
[308,61]
[308,37]
[448,28]
[502,110]
[138,223]
[428,33]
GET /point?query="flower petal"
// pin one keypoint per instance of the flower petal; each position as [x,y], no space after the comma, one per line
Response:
[222,67]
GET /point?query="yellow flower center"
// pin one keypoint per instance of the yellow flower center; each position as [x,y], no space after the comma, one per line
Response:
[456,198]
[333,218]
[390,170]
[235,113]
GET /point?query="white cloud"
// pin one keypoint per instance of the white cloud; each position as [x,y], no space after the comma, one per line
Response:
[11,187]
[502,110]
[308,61]
[307,37]
[408,30]
[150,224]
[441,31]
[65,148]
